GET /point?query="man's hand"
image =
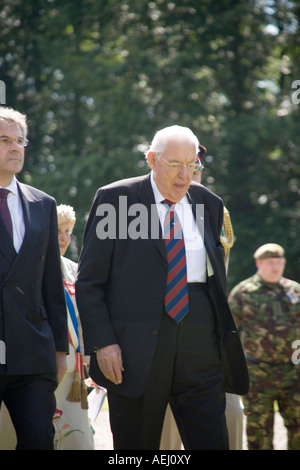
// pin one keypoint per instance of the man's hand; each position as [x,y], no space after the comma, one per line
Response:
[61,363]
[110,362]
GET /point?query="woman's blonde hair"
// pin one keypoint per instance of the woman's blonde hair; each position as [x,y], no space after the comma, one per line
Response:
[65,214]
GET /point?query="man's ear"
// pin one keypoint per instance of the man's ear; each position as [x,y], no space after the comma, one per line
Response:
[151,159]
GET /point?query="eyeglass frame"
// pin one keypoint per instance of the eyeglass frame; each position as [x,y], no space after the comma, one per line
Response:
[179,166]
[10,140]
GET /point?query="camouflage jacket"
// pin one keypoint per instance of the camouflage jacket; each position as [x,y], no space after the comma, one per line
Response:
[268,318]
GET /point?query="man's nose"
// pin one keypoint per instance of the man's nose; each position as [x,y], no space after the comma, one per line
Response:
[183,172]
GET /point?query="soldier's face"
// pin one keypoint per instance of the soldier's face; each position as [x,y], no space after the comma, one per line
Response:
[270,269]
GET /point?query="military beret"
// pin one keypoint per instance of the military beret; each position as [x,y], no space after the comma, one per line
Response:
[269,250]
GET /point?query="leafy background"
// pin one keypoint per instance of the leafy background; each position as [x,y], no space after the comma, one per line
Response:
[97,79]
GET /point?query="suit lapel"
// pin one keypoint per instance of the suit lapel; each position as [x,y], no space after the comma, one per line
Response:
[154,228]
[33,214]
[33,217]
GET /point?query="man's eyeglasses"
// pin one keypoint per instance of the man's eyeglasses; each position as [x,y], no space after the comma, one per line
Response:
[7,141]
[179,166]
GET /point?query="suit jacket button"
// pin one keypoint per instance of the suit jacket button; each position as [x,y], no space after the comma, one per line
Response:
[154,333]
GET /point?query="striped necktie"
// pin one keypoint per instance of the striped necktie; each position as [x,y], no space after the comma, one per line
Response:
[176,299]
[4,211]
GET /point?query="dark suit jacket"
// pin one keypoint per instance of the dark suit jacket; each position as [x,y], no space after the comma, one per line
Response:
[121,284]
[33,320]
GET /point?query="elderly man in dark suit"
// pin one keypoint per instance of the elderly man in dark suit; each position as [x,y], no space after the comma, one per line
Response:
[33,321]
[151,296]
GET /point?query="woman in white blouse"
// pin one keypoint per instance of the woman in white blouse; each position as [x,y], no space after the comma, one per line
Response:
[71,422]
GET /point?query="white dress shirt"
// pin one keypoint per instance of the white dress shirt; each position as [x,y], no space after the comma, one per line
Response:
[193,240]
[16,212]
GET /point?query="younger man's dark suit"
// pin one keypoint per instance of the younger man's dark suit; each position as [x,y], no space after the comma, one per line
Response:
[33,322]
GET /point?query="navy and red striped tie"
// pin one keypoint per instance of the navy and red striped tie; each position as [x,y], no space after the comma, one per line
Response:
[176,299]
[4,211]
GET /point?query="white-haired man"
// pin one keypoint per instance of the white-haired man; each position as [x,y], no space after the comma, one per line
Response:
[148,347]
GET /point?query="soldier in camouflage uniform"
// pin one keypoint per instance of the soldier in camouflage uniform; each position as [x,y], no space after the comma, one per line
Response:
[266,308]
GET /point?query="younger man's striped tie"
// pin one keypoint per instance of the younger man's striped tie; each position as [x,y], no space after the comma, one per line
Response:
[176,299]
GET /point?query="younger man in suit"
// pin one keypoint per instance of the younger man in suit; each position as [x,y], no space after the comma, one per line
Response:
[33,320]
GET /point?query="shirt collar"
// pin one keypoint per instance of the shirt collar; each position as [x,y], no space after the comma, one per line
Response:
[12,187]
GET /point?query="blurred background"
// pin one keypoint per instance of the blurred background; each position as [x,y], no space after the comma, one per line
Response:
[97,79]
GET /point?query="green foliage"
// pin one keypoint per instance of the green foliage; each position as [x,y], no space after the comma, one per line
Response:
[97,79]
